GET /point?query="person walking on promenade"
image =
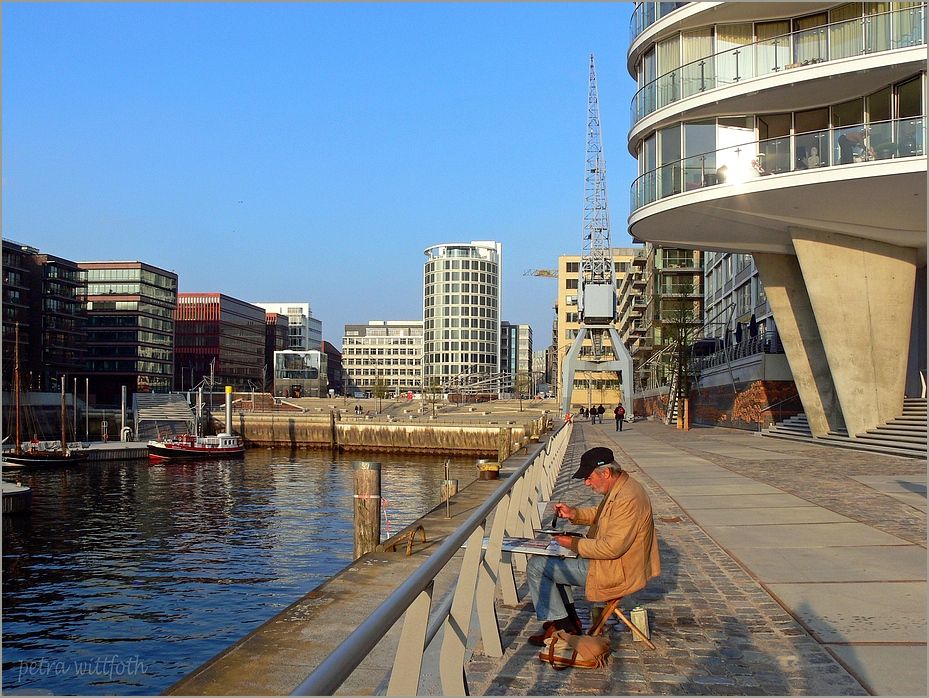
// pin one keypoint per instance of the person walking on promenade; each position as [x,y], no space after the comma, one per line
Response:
[620,414]
[600,412]
[616,558]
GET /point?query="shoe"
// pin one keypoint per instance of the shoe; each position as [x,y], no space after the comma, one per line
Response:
[575,620]
[548,629]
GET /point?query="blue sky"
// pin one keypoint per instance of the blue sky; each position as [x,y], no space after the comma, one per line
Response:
[311,152]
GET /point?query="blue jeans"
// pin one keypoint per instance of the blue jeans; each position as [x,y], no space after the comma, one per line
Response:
[549,579]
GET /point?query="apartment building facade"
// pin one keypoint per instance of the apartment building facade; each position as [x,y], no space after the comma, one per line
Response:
[660,309]
[795,132]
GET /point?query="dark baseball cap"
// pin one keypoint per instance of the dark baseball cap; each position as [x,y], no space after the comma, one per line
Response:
[591,460]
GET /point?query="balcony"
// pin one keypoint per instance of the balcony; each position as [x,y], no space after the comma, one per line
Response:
[747,198]
[647,13]
[861,36]
[884,140]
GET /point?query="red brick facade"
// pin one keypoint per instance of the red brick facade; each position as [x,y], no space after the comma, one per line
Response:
[744,408]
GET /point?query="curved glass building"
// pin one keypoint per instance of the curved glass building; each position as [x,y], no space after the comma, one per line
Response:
[795,132]
[461,312]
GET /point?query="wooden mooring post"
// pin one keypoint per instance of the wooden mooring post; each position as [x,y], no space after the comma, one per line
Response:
[367,508]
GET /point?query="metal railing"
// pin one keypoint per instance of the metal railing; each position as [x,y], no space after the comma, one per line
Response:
[763,343]
[778,410]
[647,13]
[858,143]
[514,511]
[872,33]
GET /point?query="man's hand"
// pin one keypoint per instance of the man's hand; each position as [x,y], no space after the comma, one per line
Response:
[564,541]
[563,511]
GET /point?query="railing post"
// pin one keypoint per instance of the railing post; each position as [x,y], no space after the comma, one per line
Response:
[408,663]
[487,583]
[455,637]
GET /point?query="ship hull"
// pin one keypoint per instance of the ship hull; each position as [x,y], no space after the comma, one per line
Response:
[161,452]
[42,460]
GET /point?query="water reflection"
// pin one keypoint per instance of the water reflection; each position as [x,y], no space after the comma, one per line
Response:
[126,576]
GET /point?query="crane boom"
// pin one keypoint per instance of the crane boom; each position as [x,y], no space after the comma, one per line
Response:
[597,262]
[597,277]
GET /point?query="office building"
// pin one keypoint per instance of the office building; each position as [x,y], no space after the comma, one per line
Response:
[461,314]
[306,332]
[300,373]
[516,357]
[130,328]
[277,338]
[385,353]
[219,341]
[334,371]
[42,293]
[795,132]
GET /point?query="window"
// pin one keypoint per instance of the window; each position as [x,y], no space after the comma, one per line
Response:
[809,39]
[772,50]
[773,131]
[699,147]
[845,31]
[670,148]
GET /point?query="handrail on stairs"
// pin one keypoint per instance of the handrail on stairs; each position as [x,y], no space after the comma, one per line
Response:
[780,402]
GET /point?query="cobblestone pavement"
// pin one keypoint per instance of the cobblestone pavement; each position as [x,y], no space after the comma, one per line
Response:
[716,630]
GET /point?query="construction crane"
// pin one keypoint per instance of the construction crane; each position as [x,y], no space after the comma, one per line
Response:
[597,282]
[548,273]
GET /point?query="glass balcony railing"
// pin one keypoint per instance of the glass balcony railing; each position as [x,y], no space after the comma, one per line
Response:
[647,13]
[862,35]
[882,140]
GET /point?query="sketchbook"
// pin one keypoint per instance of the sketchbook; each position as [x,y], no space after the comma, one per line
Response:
[532,546]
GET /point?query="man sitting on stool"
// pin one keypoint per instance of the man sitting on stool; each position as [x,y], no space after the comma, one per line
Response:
[617,558]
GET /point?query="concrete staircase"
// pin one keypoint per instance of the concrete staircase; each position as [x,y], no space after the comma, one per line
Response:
[903,436]
[159,414]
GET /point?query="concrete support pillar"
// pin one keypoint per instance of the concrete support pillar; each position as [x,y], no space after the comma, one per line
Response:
[796,325]
[861,292]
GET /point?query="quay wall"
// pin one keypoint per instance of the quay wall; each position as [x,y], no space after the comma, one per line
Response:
[134,451]
[288,430]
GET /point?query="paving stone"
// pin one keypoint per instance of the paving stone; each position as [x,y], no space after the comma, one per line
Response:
[717,631]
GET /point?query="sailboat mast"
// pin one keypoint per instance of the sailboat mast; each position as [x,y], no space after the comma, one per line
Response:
[64,435]
[16,390]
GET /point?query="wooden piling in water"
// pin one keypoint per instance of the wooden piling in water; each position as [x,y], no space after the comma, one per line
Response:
[367,506]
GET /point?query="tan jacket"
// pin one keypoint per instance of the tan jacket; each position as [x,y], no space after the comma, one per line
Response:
[621,543]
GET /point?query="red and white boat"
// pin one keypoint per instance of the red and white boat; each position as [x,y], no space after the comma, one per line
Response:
[195,447]
[191,447]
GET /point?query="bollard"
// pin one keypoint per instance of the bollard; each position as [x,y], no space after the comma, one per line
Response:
[367,509]
[449,489]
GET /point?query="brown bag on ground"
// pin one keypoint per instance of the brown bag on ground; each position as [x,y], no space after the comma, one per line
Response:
[585,651]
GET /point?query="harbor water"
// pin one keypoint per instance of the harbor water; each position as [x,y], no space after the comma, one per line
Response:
[124,577]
